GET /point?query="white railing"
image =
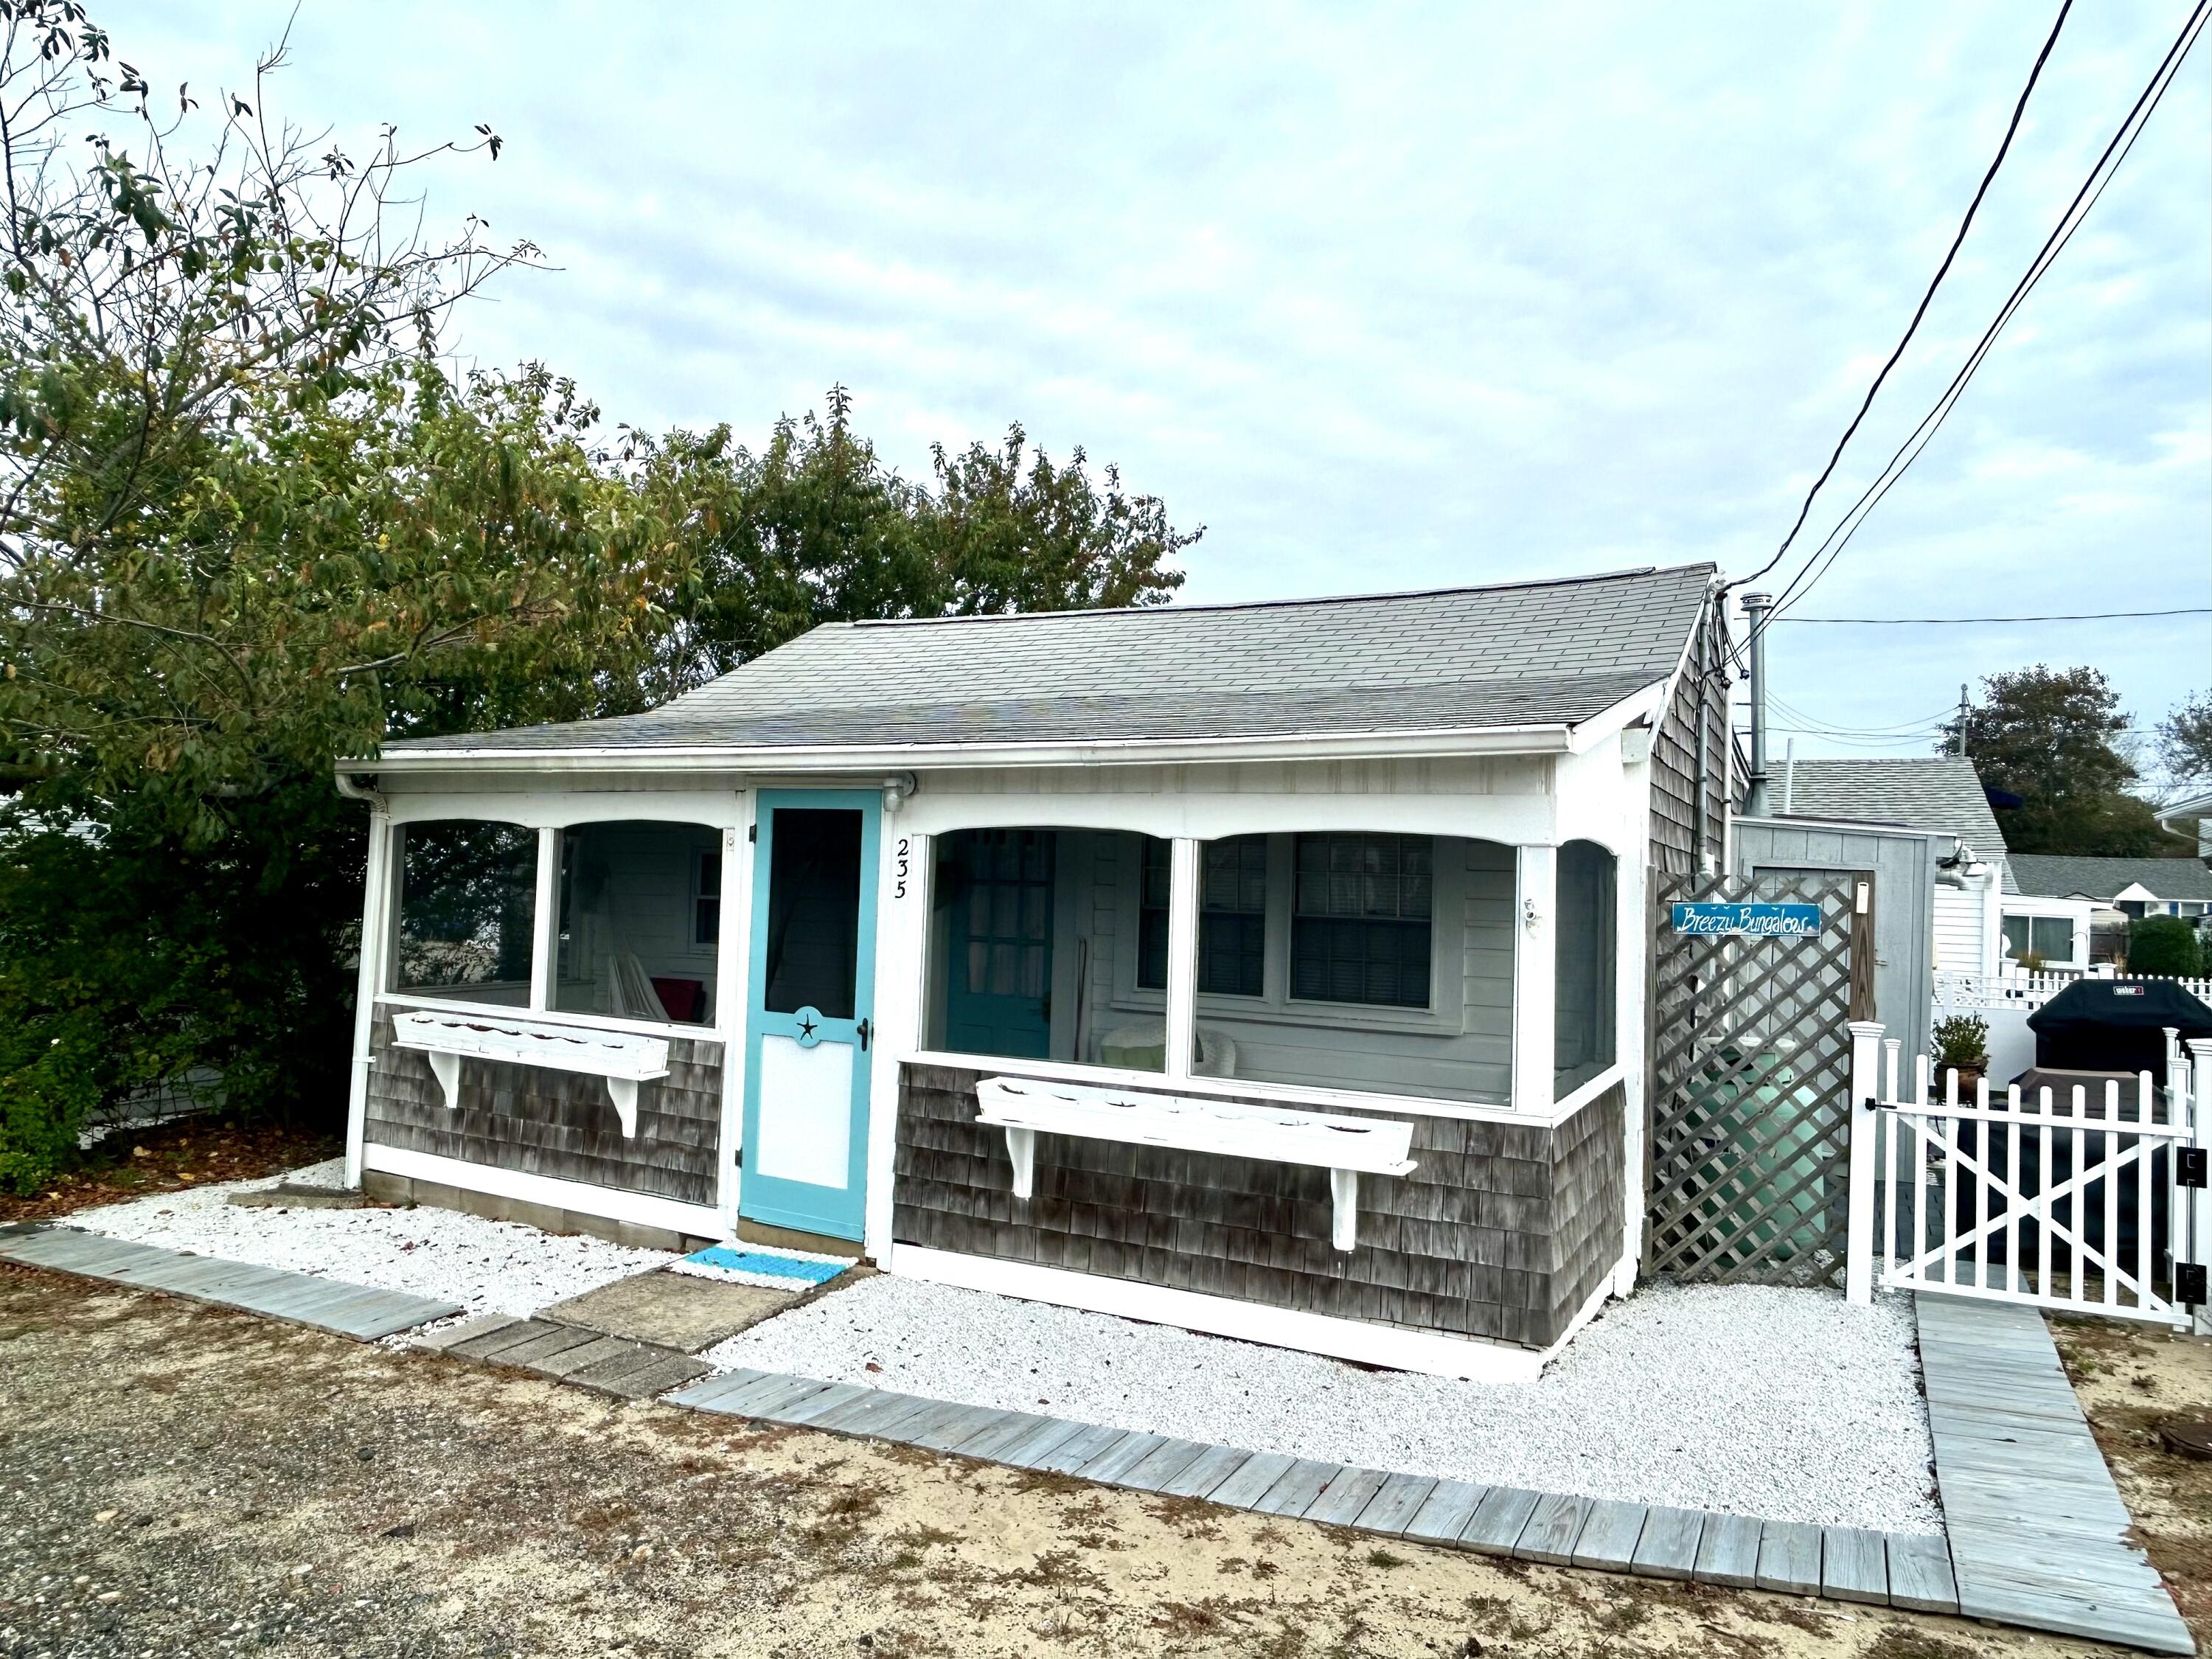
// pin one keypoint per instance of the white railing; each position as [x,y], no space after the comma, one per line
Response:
[1955,990]
[2078,1204]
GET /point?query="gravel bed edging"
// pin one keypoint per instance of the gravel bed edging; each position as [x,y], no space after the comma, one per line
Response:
[1789,1405]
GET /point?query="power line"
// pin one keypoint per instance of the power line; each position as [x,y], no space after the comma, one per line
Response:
[1921,311]
[2076,214]
[1934,622]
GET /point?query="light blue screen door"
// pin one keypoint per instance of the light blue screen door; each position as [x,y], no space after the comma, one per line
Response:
[811,1024]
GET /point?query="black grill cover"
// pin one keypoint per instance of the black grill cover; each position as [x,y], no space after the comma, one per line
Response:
[2115,1025]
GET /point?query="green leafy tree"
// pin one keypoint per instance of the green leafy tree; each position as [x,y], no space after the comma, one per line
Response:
[248,526]
[2164,945]
[816,527]
[2050,737]
[2184,739]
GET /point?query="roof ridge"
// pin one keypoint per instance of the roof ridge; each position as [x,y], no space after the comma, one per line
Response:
[1284,604]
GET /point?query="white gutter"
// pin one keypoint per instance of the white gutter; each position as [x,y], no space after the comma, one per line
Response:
[1426,744]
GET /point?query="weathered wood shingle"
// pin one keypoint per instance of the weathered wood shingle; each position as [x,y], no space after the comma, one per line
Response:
[1503,1231]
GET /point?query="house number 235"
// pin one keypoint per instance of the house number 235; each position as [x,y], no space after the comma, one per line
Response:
[905,845]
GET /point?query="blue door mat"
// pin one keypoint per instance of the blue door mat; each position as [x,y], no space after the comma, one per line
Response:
[763,1264]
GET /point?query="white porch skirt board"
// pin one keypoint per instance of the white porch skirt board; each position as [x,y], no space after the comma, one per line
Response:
[1430,1353]
[699,1220]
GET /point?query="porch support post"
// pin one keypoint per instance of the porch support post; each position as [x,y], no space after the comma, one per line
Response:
[1535,978]
[1183,958]
[1865,1126]
[545,942]
[376,935]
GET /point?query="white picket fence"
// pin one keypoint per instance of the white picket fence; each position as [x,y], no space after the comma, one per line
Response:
[1956,991]
[2075,1205]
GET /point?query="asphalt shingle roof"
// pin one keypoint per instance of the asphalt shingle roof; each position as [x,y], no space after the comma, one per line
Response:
[1532,653]
[2058,875]
[1940,793]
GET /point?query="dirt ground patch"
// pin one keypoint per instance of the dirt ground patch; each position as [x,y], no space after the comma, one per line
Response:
[2129,1379]
[171,1157]
[176,1479]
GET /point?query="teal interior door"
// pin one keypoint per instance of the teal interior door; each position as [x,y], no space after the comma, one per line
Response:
[999,998]
[810,1025]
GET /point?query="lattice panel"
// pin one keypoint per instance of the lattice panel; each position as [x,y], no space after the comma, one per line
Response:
[1750,1162]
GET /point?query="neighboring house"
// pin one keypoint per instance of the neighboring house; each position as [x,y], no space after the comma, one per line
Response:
[2114,892]
[2192,813]
[1273,970]
[1940,793]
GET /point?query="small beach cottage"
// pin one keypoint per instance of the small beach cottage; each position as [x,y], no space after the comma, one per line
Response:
[1276,970]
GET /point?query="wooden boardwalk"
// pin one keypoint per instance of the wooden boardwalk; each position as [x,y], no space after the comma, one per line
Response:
[354,1310]
[2039,1534]
[1900,1570]
[2037,1529]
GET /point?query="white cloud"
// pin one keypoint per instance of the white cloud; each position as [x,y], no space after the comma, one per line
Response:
[1393,298]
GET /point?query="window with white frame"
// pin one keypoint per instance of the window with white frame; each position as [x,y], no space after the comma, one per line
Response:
[465,911]
[2047,939]
[1363,920]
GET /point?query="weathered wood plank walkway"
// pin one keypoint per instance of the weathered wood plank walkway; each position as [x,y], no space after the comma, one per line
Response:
[2037,1529]
[2039,1534]
[354,1310]
[1654,1541]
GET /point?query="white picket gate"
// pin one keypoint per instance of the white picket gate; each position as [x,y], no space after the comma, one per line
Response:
[2076,1205]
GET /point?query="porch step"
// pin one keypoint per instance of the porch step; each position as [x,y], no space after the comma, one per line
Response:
[327,1304]
[614,1365]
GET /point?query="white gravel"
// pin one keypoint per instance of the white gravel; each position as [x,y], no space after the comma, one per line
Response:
[1789,1405]
[488,1266]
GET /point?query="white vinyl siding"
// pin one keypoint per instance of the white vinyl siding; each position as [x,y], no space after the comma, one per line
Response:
[1958,929]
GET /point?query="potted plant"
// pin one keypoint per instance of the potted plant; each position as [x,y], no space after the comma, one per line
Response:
[1962,1045]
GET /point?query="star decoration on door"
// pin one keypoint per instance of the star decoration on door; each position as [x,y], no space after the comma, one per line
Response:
[807,1028]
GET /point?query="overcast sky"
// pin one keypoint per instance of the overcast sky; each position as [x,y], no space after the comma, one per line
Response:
[1407,298]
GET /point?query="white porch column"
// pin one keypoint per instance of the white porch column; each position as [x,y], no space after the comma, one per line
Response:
[375,940]
[545,947]
[1182,957]
[1535,982]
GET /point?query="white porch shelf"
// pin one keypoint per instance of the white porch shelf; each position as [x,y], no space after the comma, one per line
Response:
[1346,1146]
[623,1059]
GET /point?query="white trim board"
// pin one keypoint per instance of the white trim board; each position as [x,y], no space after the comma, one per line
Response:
[699,1220]
[1431,1354]
[1238,1088]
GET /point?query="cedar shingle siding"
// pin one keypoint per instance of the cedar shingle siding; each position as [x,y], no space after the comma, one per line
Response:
[559,1124]
[1504,1231]
[1675,759]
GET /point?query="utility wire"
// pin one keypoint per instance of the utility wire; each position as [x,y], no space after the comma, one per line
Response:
[2076,214]
[1921,311]
[1934,622]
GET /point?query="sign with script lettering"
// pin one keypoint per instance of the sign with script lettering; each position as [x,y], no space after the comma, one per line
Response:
[1758,921]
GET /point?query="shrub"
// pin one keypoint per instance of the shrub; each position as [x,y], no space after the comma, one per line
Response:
[2164,945]
[1962,1043]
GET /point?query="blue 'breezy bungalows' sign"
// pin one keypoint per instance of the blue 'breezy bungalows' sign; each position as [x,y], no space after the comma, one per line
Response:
[1759,920]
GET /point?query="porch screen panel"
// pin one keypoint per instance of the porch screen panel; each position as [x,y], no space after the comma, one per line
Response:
[1030,936]
[1585,945]
[1370,962]
[641,919]
[467,911]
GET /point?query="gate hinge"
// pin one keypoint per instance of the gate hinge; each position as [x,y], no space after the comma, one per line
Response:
[2188,1283]
[2189,1165]
[753,833]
